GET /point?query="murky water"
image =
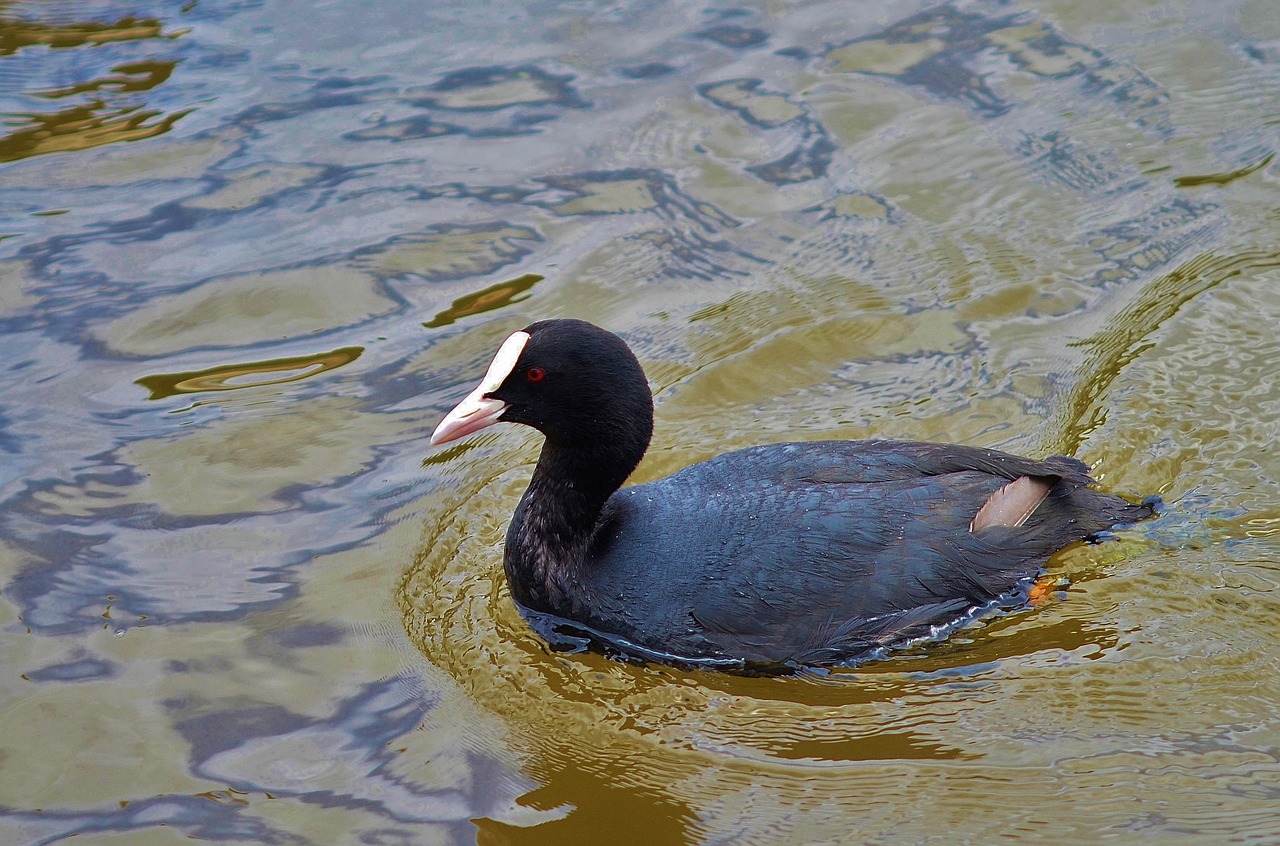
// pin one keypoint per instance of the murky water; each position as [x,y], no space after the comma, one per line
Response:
[250,252]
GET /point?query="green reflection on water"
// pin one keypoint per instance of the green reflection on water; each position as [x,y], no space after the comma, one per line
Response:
[221,378]
[17,33]
[109,118]
[493,297]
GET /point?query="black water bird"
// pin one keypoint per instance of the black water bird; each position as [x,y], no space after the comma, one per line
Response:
[781,555]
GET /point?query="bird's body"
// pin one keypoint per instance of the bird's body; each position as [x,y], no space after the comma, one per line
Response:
[795,553]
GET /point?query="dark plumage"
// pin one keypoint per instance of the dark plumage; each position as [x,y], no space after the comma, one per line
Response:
[794,553]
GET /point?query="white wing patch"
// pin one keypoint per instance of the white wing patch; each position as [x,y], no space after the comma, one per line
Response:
[1012,504]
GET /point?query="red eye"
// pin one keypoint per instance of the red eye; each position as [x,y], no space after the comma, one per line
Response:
[535,374]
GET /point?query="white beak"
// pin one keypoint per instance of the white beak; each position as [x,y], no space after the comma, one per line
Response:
[478,410]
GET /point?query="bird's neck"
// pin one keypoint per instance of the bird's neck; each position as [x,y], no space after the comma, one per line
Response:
[552,530]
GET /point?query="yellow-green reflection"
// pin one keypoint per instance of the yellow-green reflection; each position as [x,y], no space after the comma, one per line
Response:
[83,127]
[16,34]
[494,297]
[231,377]
[103,120]
[1223,178]
[134,76]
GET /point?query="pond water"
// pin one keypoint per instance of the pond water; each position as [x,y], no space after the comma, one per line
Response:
[250,252]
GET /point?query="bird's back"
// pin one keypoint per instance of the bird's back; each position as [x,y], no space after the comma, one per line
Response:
[824,551]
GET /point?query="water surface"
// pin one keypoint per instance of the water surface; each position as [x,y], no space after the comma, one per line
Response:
[251,252]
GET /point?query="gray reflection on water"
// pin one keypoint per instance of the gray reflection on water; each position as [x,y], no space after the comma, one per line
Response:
[268,753]
[269,749]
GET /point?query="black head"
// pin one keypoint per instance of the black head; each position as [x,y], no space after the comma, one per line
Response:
[576,383]
[579,385]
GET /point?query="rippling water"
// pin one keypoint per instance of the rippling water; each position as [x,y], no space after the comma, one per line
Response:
[251,252]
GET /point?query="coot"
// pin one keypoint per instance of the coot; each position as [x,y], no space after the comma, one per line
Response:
[781,555]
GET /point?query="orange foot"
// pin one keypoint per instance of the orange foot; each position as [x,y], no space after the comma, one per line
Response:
[1043,588]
